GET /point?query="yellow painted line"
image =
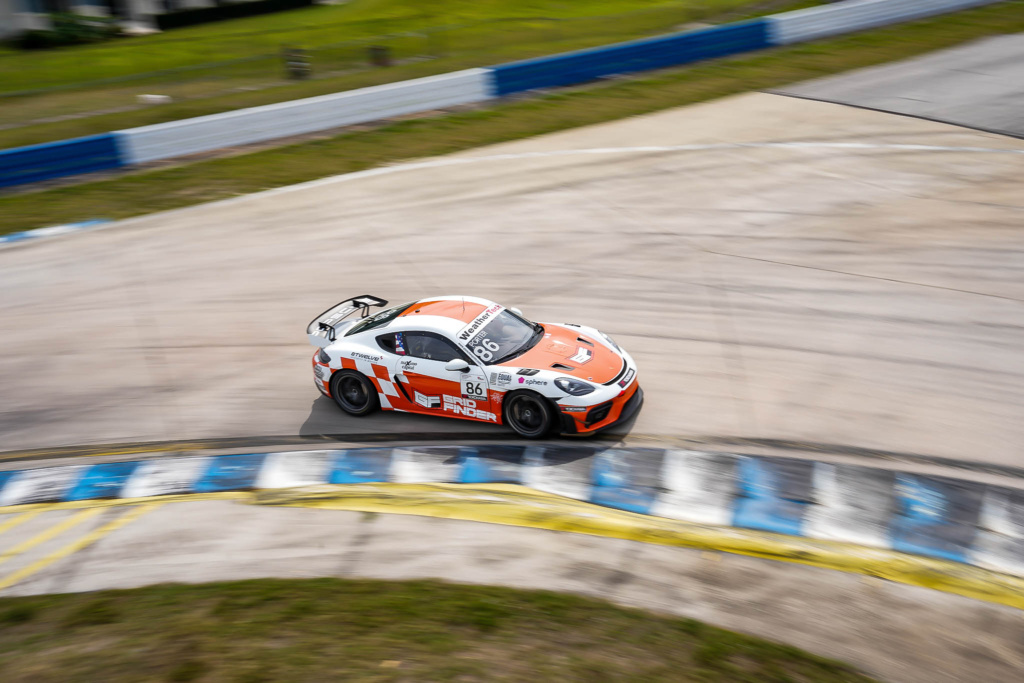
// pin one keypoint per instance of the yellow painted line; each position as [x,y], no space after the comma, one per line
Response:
[519,506]
[74,547]
[15,520]
[53,531]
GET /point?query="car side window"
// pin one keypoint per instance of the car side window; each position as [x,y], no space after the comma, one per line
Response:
[431,347]
[387,342]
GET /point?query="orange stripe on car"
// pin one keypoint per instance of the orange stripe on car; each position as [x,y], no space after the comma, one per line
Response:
[458,310]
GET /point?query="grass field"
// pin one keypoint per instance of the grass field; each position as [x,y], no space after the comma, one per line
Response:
[334,630]
[219,67]
[151,191]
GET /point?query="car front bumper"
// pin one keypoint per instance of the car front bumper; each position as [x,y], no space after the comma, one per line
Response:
[604,415]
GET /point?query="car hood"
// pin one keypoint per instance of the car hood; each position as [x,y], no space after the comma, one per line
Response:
[572,351]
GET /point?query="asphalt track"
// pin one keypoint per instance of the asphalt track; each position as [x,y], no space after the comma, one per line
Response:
[782,270]
[976,85]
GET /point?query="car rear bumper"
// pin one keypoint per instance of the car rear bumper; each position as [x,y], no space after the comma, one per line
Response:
[619,410]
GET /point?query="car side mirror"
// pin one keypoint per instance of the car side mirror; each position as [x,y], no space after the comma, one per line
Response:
[456,365]
[517,312]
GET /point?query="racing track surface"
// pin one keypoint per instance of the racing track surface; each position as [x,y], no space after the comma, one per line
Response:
[976,85]
[779,268]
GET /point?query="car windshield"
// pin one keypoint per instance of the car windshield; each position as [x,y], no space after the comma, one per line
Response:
[378,319]
[503,338]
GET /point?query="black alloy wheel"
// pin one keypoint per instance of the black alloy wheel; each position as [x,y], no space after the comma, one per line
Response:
[529,415]
[354,393]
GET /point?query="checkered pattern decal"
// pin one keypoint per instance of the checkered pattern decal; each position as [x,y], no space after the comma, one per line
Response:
[378,374]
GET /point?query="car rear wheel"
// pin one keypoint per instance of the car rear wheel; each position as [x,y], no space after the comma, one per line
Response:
[529,415]
[354,393]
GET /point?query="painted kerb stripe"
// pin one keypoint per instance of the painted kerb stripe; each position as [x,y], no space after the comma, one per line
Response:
[935,517]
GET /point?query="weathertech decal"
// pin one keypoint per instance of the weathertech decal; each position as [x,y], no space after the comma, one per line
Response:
[582,356]
[472,328]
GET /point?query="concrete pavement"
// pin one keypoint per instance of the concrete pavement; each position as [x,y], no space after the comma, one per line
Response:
[816,274]
[977,85]
[896,632]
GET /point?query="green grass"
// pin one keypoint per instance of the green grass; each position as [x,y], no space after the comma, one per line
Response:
[330,629]
[146,192]
[468,40]
[310,27]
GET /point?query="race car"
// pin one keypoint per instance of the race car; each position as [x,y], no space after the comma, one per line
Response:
[470,358]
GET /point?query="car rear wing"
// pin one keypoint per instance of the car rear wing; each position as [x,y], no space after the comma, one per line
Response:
[322,331]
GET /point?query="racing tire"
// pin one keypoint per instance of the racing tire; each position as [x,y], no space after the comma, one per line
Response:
[354,393]
[529,414]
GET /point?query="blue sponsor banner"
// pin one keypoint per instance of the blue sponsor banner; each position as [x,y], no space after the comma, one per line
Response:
[231,473]
[23,165]
[491,464]
[104,480]
[773,494]
[935,517]
[637,55]
[360,466]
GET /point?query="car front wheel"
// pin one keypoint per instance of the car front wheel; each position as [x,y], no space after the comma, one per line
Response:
[529,415]
[354,393]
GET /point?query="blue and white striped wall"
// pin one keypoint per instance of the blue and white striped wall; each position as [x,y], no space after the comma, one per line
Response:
[936,517]
[133,146]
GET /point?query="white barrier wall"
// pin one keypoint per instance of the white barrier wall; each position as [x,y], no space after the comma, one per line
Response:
[245,126]
[855,15]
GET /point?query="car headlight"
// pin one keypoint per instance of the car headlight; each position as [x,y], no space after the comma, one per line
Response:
[573,386]
[611,341]
[323,357]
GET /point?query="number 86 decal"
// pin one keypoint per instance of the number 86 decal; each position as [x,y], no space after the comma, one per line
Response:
[485,350]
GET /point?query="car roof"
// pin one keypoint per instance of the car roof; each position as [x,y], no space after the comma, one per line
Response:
[443,314]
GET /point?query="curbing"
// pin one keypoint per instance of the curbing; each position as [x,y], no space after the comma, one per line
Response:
[514,505]
[963,522]
[51,231]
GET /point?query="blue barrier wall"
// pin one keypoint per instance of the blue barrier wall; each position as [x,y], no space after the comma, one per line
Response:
[638,55]
[24,165]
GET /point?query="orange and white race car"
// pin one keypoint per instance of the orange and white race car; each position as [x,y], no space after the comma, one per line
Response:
[473,359]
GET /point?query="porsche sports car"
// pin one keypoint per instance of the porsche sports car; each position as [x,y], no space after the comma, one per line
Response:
[473,359]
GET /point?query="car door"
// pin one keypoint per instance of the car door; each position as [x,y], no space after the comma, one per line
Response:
[433,388]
